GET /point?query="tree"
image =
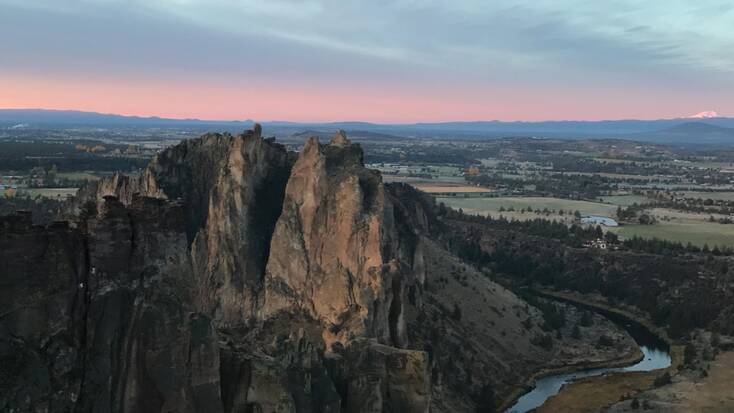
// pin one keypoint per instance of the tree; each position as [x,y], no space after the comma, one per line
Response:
[576,333]
[689,354]
[598,233]
[715,340]
[611,237]
[486,402]
[543,340]
[646,219]
[635,404]
[456,314]
[663,380]
[586,319]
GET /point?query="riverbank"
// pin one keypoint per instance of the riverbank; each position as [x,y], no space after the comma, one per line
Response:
[629,356]
[622,361]
[597,393]
[599,304]
[691,391]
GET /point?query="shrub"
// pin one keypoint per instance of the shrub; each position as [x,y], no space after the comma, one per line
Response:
[576,333]
[663,379]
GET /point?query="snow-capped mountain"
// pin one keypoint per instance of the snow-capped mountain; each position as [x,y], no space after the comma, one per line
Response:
[704,115]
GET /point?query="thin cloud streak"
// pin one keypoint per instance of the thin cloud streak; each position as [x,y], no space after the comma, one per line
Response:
[622,57]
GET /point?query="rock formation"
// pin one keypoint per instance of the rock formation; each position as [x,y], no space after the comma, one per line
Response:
[102,318]
[329,257]
[232,275]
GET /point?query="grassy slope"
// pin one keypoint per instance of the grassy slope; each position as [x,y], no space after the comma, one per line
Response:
[491,206]
[697,232]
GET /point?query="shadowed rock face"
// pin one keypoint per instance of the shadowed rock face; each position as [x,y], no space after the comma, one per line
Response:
[232,188]
[42,317]
[234,276]
[101,317]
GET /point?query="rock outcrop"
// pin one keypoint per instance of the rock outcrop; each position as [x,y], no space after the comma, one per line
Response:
[329,257]
[102,317]
[232,188]
[232,275]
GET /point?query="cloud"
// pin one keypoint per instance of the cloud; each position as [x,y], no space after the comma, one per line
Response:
[409,44]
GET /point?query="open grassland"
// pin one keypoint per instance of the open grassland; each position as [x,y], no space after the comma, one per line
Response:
[694,231]
[690,392]
[78,176]
[672,225]
[491,206]
[47,192]
[724,196]
[415,180]
[683,227]
[629,177]
[433,188]
[714,394]
[624,200]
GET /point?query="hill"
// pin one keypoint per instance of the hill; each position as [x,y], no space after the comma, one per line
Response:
[694,133]
[657,131]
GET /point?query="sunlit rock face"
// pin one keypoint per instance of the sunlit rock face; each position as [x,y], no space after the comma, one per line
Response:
[329,254]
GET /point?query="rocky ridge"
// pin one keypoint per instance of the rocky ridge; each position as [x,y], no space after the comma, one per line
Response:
[232,275]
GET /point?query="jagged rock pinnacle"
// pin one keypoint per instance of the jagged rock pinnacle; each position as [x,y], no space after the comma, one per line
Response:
[340,139]
[257,130]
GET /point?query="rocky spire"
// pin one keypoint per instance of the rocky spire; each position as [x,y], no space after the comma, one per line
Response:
[340,139]
[257,130]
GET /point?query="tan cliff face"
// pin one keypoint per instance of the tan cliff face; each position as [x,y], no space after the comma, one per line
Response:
[232,275]
[327,257]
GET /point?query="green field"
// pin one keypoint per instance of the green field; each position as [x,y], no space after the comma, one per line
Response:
[78,176]
[724,196]
[484,206]
[625,200]
[458,180]
[47,192]
[694,231]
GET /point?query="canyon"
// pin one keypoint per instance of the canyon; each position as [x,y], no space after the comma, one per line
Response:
[232,275]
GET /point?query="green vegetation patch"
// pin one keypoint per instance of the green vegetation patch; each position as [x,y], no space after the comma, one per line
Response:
[492,206]
[684,231]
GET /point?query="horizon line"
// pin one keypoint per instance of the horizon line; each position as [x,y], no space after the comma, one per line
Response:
[316,122]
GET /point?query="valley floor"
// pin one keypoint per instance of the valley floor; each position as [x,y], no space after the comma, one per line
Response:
[692,393]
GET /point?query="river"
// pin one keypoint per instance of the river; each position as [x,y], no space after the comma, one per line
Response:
[656,356]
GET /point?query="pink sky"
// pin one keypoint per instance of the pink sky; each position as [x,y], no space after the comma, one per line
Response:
[178,98]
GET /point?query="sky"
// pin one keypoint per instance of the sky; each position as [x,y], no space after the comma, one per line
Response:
[395,61]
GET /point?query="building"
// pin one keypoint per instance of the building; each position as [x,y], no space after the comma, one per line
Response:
[597,243]
[599,220]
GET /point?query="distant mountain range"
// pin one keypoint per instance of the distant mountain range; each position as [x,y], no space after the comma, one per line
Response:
[44,117]
[700,128]
[693,132]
